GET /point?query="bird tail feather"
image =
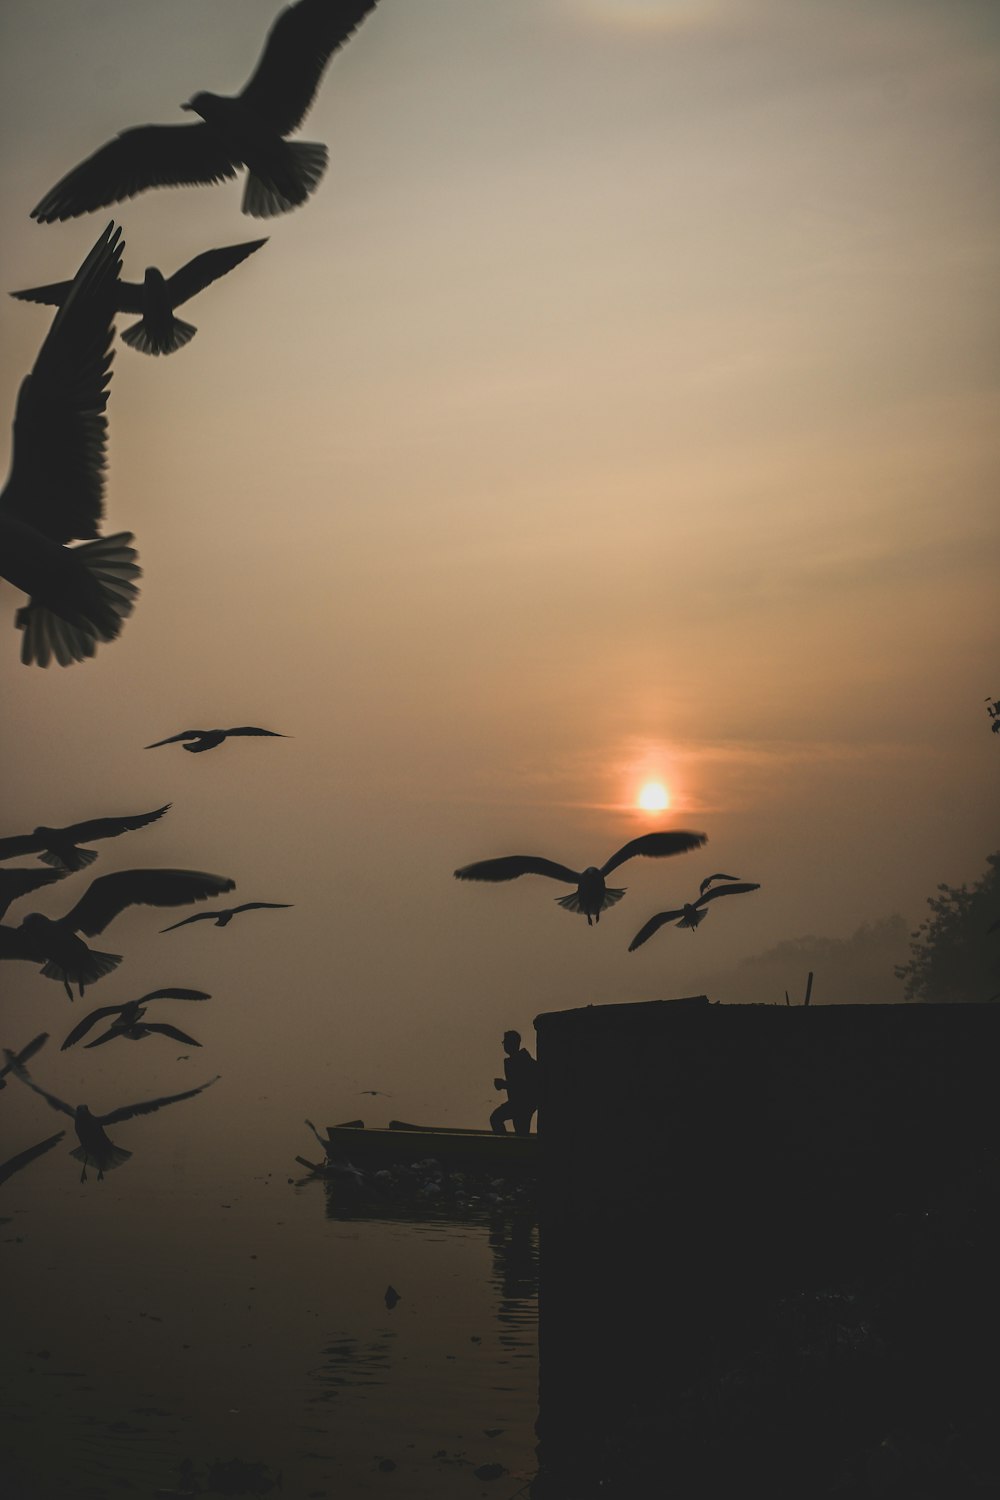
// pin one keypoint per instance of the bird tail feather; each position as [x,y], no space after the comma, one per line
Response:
[91,968]
[305,163]
[73,859]
[110,564]
[106,1162]
[691,919]
[140,336]
[572,902]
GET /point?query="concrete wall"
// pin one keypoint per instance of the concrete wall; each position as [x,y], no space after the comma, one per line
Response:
[743,1207]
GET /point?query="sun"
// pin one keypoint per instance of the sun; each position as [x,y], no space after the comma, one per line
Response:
[654,797]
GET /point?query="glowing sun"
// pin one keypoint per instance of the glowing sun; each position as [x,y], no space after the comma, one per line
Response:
[653,797]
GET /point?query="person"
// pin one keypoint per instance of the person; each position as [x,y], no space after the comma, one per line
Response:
[521,1086]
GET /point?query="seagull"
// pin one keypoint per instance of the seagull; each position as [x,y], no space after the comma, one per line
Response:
[54,494]
[247,129]
[225,916]
[690,914]
[25,1055]
[591,896]
[158,331]
[129,1021]
[58,846]
[710,878]
[95,1149]
[209,738]
[64,956]
[17,883]
[15,1163]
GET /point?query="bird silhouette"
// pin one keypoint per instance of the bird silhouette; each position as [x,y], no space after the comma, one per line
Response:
[58,846]
[709,880]
[95,1148]
[24,1056]
[691,913]
[17,883]
[129,1022]
[209,738]
[23,1158]
[591,896]
[247,129]
[224,917]
[77,596]
[156,297]
[54,944]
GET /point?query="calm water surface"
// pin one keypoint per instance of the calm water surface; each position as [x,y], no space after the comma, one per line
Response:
[172,1313]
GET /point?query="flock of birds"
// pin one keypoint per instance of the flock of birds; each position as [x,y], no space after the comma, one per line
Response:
[81,586]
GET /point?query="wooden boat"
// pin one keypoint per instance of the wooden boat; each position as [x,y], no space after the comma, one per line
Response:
[403,1143]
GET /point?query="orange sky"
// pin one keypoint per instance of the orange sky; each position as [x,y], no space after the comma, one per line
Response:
[622,404]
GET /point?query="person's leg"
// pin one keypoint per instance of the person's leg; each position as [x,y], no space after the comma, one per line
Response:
[502,1113]
[522,1118]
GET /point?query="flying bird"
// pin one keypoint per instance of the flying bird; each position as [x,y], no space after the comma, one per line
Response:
[247,129]
[158,331]
[691,913]
[710,878]
[95,1149]
[224,917]
[24,1056]
[17,883]
[77,596]
[54,944]
[591,896]
[209,738]
[23,1158]
[129,1022]
[59,846]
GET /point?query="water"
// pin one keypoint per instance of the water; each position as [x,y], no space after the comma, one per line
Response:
[167,1317]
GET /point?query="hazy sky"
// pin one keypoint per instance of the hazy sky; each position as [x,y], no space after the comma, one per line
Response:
[622,405]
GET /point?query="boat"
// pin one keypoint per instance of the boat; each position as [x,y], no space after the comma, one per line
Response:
[403,1143]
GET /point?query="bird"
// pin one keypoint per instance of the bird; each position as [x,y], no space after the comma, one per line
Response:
[225,916]
[17,883]
[95,1148]
[246,129]
[25,1055]
[158,331]
[591,896]
[376,1093]
[710,878]
[129,1021]
[23,1158]
[58,846]
[391,1296]
[209,738]
[54,944]
[691,913]
[77,596]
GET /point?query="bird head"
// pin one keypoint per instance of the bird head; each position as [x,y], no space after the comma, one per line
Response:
[154,277]
[204,104]
[35,921]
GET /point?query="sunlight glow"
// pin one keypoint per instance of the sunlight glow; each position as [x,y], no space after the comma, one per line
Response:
[654,797]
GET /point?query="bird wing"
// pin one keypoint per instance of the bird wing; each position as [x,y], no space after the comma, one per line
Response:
[199,916]
[109,828]
[185,734]
[174,1031]
[296,52]
[206,268]
[513,865]
[82,1027]
[709,878]
[56,480]
[653,925]
[148,156]
[17,883]
[108,1036]
[109,895]
[53,295]
[255,905]
[174,995]
[15,1163]
[14,944]
[655,846]
[150,1106]
[728,890]
[21,843]
[251,729]
[26,1053]
[21,1072]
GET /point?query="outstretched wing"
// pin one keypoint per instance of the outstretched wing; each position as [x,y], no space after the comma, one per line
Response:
[26,1053]
[298,48]
[84,1026]
[53,295]
[174,995]
[174,1031]
[261,905]
[206,268]
[150,1106]
[655,846]
[17,883]
[513,865]
[15,1163]
[148,156]
[728,890]
[109,828]
[21,843]
[251,729]
[199,916]
[185,734]
[653,925]
[56,481]
[708,881]
[109,895]
[19,1071]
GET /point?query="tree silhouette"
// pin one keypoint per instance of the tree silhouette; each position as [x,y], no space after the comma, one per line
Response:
[955,952]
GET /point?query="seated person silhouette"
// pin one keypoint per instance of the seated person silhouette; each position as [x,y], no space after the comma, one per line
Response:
[521,1087]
